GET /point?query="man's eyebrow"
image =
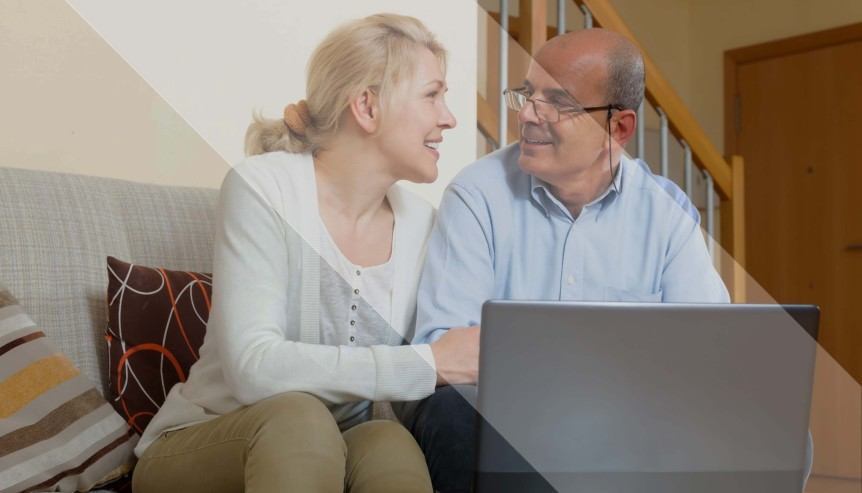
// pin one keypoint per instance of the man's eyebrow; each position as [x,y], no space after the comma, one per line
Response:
[551,93]
[559,94]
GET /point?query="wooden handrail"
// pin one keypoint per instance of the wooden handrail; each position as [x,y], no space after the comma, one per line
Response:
[660,93]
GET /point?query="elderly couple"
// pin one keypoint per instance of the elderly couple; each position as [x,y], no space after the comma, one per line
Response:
[325,266]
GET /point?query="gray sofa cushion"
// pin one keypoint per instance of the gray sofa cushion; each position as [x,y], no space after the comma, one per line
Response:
[56,231]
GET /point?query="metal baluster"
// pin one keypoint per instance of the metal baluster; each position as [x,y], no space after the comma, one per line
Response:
[688,163]
[561,17]
[503,129]
[710,212]
[663,150]
[588,17]
[641,126]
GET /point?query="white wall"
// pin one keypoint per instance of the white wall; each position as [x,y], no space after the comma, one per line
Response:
[69,103]
[144,77]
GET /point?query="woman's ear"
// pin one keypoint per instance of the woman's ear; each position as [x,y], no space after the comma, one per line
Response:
[365,109]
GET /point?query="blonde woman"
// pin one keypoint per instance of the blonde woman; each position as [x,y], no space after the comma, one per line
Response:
[316,265]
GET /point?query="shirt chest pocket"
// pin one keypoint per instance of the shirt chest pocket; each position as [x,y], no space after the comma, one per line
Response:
[596,292]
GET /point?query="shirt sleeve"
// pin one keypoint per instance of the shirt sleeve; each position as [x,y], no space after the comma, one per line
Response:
[458,276]
[249,321]
[689,275]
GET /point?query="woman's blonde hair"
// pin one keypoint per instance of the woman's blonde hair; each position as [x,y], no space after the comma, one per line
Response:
[375,52]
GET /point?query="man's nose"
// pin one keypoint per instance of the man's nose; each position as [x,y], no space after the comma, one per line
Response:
[528,113]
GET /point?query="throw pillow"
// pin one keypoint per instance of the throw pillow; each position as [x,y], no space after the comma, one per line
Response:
[57,433]
[156,324]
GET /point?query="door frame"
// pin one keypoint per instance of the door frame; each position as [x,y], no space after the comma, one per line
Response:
[773,49]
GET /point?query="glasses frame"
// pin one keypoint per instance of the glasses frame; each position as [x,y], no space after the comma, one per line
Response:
[560,111]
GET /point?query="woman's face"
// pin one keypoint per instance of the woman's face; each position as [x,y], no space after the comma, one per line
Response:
[413,126]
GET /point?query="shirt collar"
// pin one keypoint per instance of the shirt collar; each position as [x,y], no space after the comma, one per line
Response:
[540,191]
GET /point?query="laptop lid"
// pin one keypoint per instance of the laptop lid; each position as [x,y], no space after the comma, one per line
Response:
[644,397]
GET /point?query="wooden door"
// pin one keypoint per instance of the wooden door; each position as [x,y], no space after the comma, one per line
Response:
[800,121]
[794,112]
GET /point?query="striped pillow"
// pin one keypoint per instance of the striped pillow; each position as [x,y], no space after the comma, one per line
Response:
[57,433]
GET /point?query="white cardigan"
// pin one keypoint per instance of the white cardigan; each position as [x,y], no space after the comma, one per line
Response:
[264,331]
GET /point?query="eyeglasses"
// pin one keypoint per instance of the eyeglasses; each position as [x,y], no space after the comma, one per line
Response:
[547,111]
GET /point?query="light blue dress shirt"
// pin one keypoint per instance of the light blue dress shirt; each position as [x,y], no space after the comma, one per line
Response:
[501,234]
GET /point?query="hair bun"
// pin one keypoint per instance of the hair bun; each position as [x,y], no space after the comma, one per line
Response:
[297,117]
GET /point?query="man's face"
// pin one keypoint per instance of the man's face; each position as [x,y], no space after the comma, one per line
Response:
[558,151]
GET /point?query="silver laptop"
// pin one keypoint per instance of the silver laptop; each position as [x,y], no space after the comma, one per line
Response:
[625,397]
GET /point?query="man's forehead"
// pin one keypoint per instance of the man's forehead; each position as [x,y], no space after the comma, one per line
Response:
[555,82]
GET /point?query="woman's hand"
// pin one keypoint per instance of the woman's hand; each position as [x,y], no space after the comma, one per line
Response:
[456,355]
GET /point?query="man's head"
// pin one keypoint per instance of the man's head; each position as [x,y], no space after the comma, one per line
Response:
[582,69]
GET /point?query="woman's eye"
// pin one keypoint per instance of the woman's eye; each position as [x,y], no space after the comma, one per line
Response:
[433,94]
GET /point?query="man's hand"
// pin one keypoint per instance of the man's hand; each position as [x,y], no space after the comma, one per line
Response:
[457,356]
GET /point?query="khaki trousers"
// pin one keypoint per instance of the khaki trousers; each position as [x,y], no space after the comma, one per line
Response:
[286,443]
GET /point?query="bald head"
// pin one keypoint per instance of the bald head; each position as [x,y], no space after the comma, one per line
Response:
[600,57]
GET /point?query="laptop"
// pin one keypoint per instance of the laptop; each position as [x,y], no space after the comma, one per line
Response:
[620,397]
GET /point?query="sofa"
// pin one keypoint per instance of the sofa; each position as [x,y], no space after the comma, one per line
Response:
[56,231]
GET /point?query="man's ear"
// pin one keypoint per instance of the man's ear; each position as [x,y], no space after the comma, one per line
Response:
[624,127]
[365,109]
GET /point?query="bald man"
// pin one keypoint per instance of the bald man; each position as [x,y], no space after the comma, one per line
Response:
[562,214]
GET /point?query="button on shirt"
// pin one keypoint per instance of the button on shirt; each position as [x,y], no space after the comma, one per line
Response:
[501,234]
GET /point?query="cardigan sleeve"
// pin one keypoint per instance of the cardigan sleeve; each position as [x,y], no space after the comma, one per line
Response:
[259,350]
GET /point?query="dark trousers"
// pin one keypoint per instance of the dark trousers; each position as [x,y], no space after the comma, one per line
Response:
[444,425]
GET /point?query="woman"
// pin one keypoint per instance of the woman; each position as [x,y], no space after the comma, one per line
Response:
[316,265]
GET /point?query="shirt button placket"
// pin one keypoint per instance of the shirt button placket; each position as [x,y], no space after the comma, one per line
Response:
[568,279]
[354,306]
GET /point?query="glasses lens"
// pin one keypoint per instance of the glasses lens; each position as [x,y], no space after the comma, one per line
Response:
[548,112]
[514,100]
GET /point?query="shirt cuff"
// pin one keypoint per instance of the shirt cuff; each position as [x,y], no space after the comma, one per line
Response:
[404,373]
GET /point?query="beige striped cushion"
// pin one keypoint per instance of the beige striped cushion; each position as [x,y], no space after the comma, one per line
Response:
[56,431]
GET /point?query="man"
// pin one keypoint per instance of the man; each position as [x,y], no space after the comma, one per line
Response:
[561,215]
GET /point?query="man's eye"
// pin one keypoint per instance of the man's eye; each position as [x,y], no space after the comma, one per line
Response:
[433,94]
